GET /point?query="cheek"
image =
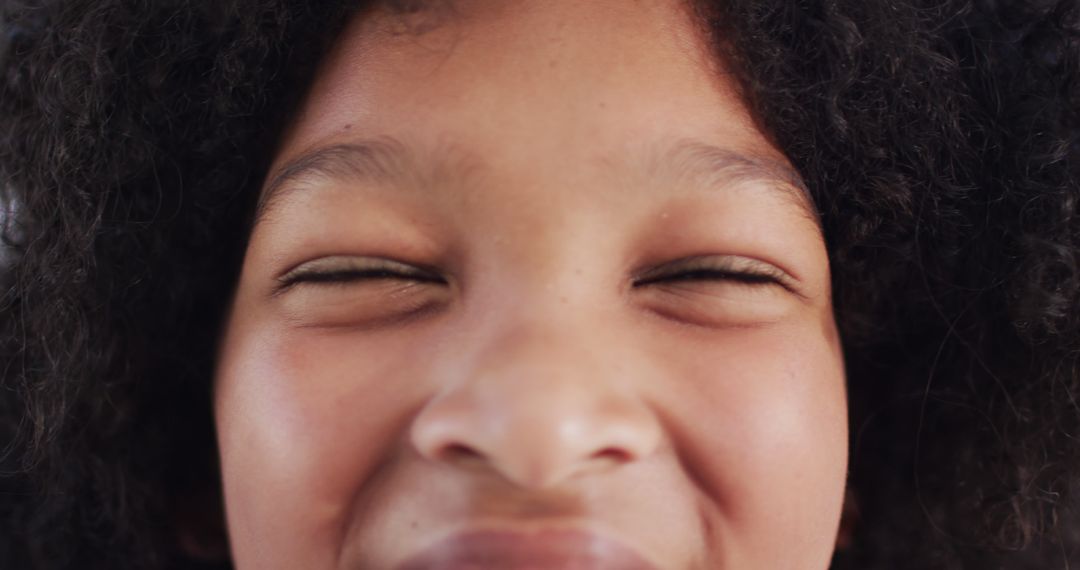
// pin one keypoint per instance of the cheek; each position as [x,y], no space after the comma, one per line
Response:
[761,422]
[304,419]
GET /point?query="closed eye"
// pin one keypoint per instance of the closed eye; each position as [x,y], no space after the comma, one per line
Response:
[345,270]
[711,275]
[739,270]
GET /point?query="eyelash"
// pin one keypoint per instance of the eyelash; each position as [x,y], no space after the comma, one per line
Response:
[743,277]
[301,276]
[351,275]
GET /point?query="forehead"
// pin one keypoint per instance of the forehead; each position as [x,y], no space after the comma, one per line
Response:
[533,88]
[521,64]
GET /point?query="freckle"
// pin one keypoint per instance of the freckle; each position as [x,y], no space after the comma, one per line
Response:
[347,126]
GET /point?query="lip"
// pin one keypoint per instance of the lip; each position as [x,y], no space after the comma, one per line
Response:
[539,550]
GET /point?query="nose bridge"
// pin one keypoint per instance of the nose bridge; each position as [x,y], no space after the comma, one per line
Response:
[538,401]
[540,372]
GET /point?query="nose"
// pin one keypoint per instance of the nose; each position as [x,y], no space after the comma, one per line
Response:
[537,409]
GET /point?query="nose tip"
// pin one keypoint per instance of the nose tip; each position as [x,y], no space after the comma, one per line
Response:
[535,435]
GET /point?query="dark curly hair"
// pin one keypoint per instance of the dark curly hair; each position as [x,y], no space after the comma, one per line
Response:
[940,140]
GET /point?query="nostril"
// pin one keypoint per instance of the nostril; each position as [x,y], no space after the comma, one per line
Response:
[460,452]
[615,454]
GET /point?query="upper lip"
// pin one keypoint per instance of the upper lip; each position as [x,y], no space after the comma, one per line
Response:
[491,549]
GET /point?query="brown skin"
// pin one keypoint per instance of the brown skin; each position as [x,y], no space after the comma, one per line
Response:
[547,365]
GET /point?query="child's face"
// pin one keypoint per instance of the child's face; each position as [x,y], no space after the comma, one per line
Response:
[531,268]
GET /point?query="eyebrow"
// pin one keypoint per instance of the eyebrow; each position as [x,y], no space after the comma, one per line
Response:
[715,167]
[387,161]
[382,160]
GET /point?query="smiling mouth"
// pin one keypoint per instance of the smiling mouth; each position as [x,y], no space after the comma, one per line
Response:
[542,550]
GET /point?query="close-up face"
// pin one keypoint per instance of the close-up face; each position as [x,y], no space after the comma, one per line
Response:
[527,288]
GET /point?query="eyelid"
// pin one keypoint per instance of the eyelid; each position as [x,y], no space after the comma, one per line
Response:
[332,264]
[720,263]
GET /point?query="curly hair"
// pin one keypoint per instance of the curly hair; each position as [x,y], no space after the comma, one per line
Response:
[940,141]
